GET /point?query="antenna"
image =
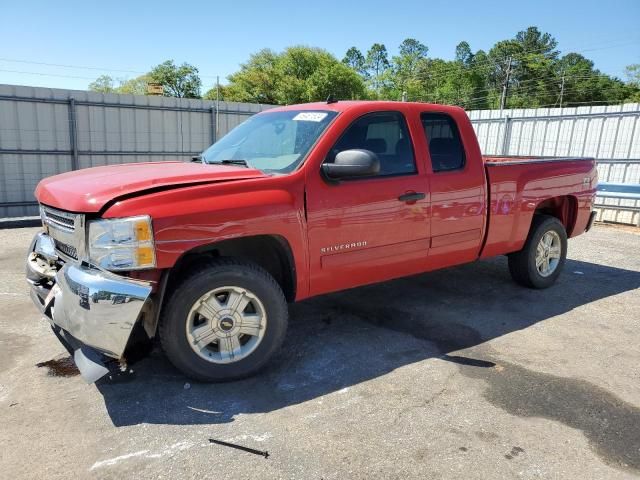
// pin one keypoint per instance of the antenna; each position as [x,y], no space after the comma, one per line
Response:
[331,99]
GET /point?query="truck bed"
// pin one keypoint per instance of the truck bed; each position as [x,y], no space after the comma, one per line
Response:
[520,186]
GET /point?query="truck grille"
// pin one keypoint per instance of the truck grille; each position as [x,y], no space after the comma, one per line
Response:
[66,229]
[68,250]
[58,219]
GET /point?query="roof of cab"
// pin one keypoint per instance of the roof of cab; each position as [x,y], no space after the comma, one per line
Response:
[342,106]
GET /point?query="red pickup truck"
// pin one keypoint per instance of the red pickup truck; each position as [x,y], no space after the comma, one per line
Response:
[295,202]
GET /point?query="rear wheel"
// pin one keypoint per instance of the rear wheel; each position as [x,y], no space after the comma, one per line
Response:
[224,321]
[540,262]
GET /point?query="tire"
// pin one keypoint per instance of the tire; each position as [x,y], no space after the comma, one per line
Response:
[204,289]
[522,264]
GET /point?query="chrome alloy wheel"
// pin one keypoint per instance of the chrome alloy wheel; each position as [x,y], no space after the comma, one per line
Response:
[548,253]
[226,324]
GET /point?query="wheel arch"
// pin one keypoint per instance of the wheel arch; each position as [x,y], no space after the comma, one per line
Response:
[271,252]
[564,208]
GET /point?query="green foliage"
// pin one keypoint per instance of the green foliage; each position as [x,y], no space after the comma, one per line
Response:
[534,76]
[299,74]
[134,86]
[376,65]
[178,81]
[529,65]
[632,72]
[102,84]
[211,94]
[401,75]
[356,61]
[464,55]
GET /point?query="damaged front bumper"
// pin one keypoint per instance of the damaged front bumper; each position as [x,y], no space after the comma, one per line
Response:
[92,311]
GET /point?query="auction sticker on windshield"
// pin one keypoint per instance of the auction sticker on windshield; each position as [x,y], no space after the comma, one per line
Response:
[310,116]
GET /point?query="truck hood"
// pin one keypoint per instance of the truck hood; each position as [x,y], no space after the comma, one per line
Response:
[91,189]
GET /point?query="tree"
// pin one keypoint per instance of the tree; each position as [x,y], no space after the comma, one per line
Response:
[528,64]
[219,94]
[400,77]
[464,55]
[102,84]
[413,50]
[533,40]
[178,81]
[376,64]
[355,60]
[298,74]
[632,72]
[257,80]
[182,81]
[135,86]
[411,53]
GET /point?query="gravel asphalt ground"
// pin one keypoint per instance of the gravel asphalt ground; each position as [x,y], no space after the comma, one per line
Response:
[453,374]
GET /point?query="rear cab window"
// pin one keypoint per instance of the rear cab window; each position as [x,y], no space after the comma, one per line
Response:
[445,145]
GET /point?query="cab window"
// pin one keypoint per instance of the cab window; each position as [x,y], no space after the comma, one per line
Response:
[385,134]
[445,146]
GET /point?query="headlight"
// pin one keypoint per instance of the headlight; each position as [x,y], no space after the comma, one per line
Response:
[122,243]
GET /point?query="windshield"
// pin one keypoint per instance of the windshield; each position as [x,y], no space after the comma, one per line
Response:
[273,142]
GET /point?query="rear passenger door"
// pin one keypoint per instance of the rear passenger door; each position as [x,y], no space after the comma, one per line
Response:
[458,196]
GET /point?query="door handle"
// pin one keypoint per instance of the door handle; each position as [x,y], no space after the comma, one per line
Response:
[411,197]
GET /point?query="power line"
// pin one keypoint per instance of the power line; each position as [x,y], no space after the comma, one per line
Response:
[470,102]
[505,86]
[489,63]
[79,67]
[537,97]
[46,74]
[478,65]
[83,67]
[520,90]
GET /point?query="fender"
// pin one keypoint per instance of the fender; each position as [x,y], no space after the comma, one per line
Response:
[185,219]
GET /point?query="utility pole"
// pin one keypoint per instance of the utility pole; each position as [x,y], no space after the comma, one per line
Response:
[562,89]
[503,98]
[217,103]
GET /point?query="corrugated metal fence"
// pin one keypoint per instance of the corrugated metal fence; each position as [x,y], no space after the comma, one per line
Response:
[48,131]
[610,134]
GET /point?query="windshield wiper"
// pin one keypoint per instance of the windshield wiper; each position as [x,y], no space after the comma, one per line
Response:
[232,161]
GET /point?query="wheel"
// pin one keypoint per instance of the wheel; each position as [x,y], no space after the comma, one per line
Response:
[224,321]
[541,260]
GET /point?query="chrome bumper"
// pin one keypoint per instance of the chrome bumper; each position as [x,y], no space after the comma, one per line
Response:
[98,309]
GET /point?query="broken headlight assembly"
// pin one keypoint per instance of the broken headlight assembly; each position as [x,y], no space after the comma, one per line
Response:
[122,243]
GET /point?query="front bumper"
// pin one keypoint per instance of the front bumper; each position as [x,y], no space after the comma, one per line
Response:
[91,310]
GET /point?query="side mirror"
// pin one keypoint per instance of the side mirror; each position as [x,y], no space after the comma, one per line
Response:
[352,163]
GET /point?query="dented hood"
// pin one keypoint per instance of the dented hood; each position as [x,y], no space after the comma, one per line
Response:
[91,189]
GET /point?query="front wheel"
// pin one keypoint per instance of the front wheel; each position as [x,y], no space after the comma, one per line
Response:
[541,260]
[224,321]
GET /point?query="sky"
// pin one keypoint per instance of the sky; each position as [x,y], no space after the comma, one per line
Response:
[125,39]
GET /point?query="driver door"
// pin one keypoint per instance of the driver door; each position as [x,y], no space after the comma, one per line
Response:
[369,229]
